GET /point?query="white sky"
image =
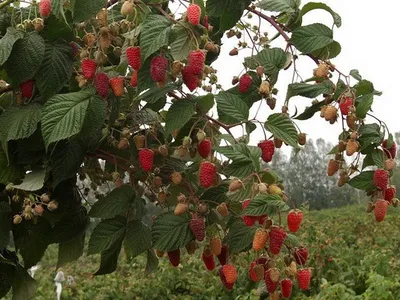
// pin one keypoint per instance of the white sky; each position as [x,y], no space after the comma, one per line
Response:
[368,45]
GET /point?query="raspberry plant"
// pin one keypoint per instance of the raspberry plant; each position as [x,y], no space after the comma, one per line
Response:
[132,83]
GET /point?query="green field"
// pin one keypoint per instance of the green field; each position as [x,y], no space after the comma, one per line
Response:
[352,256]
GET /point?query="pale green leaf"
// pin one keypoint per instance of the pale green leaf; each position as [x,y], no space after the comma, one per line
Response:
[232,105]
[33,181]
[310,38]
[282,127]
[317,5]
[288,6]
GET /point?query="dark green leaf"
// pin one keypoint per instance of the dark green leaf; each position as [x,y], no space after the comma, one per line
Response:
[7,42]
[217,194]
[71,225]
[7,275]
[310,38]
[378,157]
[282,128]
[154,34]
[24,286]
[70,251]
[330,51]
[316,5]
[84,9]
[288,6]
[264,204]
[9,171]
[152,262]
[5,224]
[179,114]
[309,90]
[138,238]
[363,105]
[356,74]
[109,258]
[232,105]
[182,44]
[363,181]
[310,111]
[240,236]
[205,103]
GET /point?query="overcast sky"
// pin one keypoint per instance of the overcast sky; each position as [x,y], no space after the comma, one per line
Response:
[368,45]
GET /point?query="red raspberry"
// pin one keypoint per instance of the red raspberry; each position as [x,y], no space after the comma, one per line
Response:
[277,236]
[303,278]
[345,105]
[381,179]
[207,174]
[252,274]
[267,150]
[88,68]
[194,14]
[133,57]
[196,61]
[174,257]
[205,22]
[229,273]
[146,157]
[294,219]
[245,82]
[190,79]
[26,89]
[198,228]
[390,193]
[286,287]
[248,220]
[101,83]
[381,207]
[208,259]
[261,219]
[223,256]
[301,255]
[158,68]
[228,286]
[204,148]
[134,79]
[75,48]
[271,286]
[45,8]
[390,152]
[117,85]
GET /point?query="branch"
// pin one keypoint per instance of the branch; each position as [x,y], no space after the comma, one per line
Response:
[5,3]
[111,3]
[6,89]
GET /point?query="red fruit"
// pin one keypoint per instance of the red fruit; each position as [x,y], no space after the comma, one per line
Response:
[196,61]
[248,220]
[252,274]
[381,179]
[101,83]
[345,104]
[134,79]
[204,148]
[88,68]
[158,68]
[267,150]
[229,286]
[26,88]
[45,8]
[190,79]
[229,273]
[223,256]
[390,193]
[198,228]
[117,85]
[301,255]
[205,22]
[380,210]
[245,82]
[146,157]
[286,287]
[271,286]
[260,239]
[277,236]
[174,257]
[133,57]
[303,278]
[75,48]
[207,174]
[261,219]
[208,259]
[294,219]
[390,152]
[194,14]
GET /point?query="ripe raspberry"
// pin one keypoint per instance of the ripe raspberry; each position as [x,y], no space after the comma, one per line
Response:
[333,167]
[191,80]
[301,255]
[88,68]
[208,259]
[391,152]
[146,157]
[26,89]
[267,150]
[134,79]
[261,219]
[223,256]
[294,219]
[194,14]
[216,245]
[245,82]
[229,273]
[158,68]
[248,220]
[390,193]
[117,85]
[229,286]
[345,105]
[101,83]
[260,239]
[196,60]
[286,287]
[381,179]
[198,228]
[133,57]
[45,8]
[270,284]
[207,174]
[204,148]
[303,278]
[174,257]
[277,236]
[252,273]
[380,210]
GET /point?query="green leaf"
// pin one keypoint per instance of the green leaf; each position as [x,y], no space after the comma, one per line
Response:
[33,181]
[7,42]
[26,58]
[171,232]
[154,34]
[109,258]
[282,128]
[265,204]
[217,194]
[113,204]
[179,114]
[363,181]
[240,236]
[107,234]
[378,157]
[57,9]
[228,12]
[24,286]
[55,70]
[152,262]
[72,224]
[309,90]
[316,5]
[239,169]
[5,223]
[310,38]
[355,74]
[71,250]
[363,105]
[7,273]
[138,238]
[310,111]
[205,103]
[364,87]
[288,6]
[292,241]
[63,115]
[84,9]
[9,172]
[233,106]
[330,51]
[182,44]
